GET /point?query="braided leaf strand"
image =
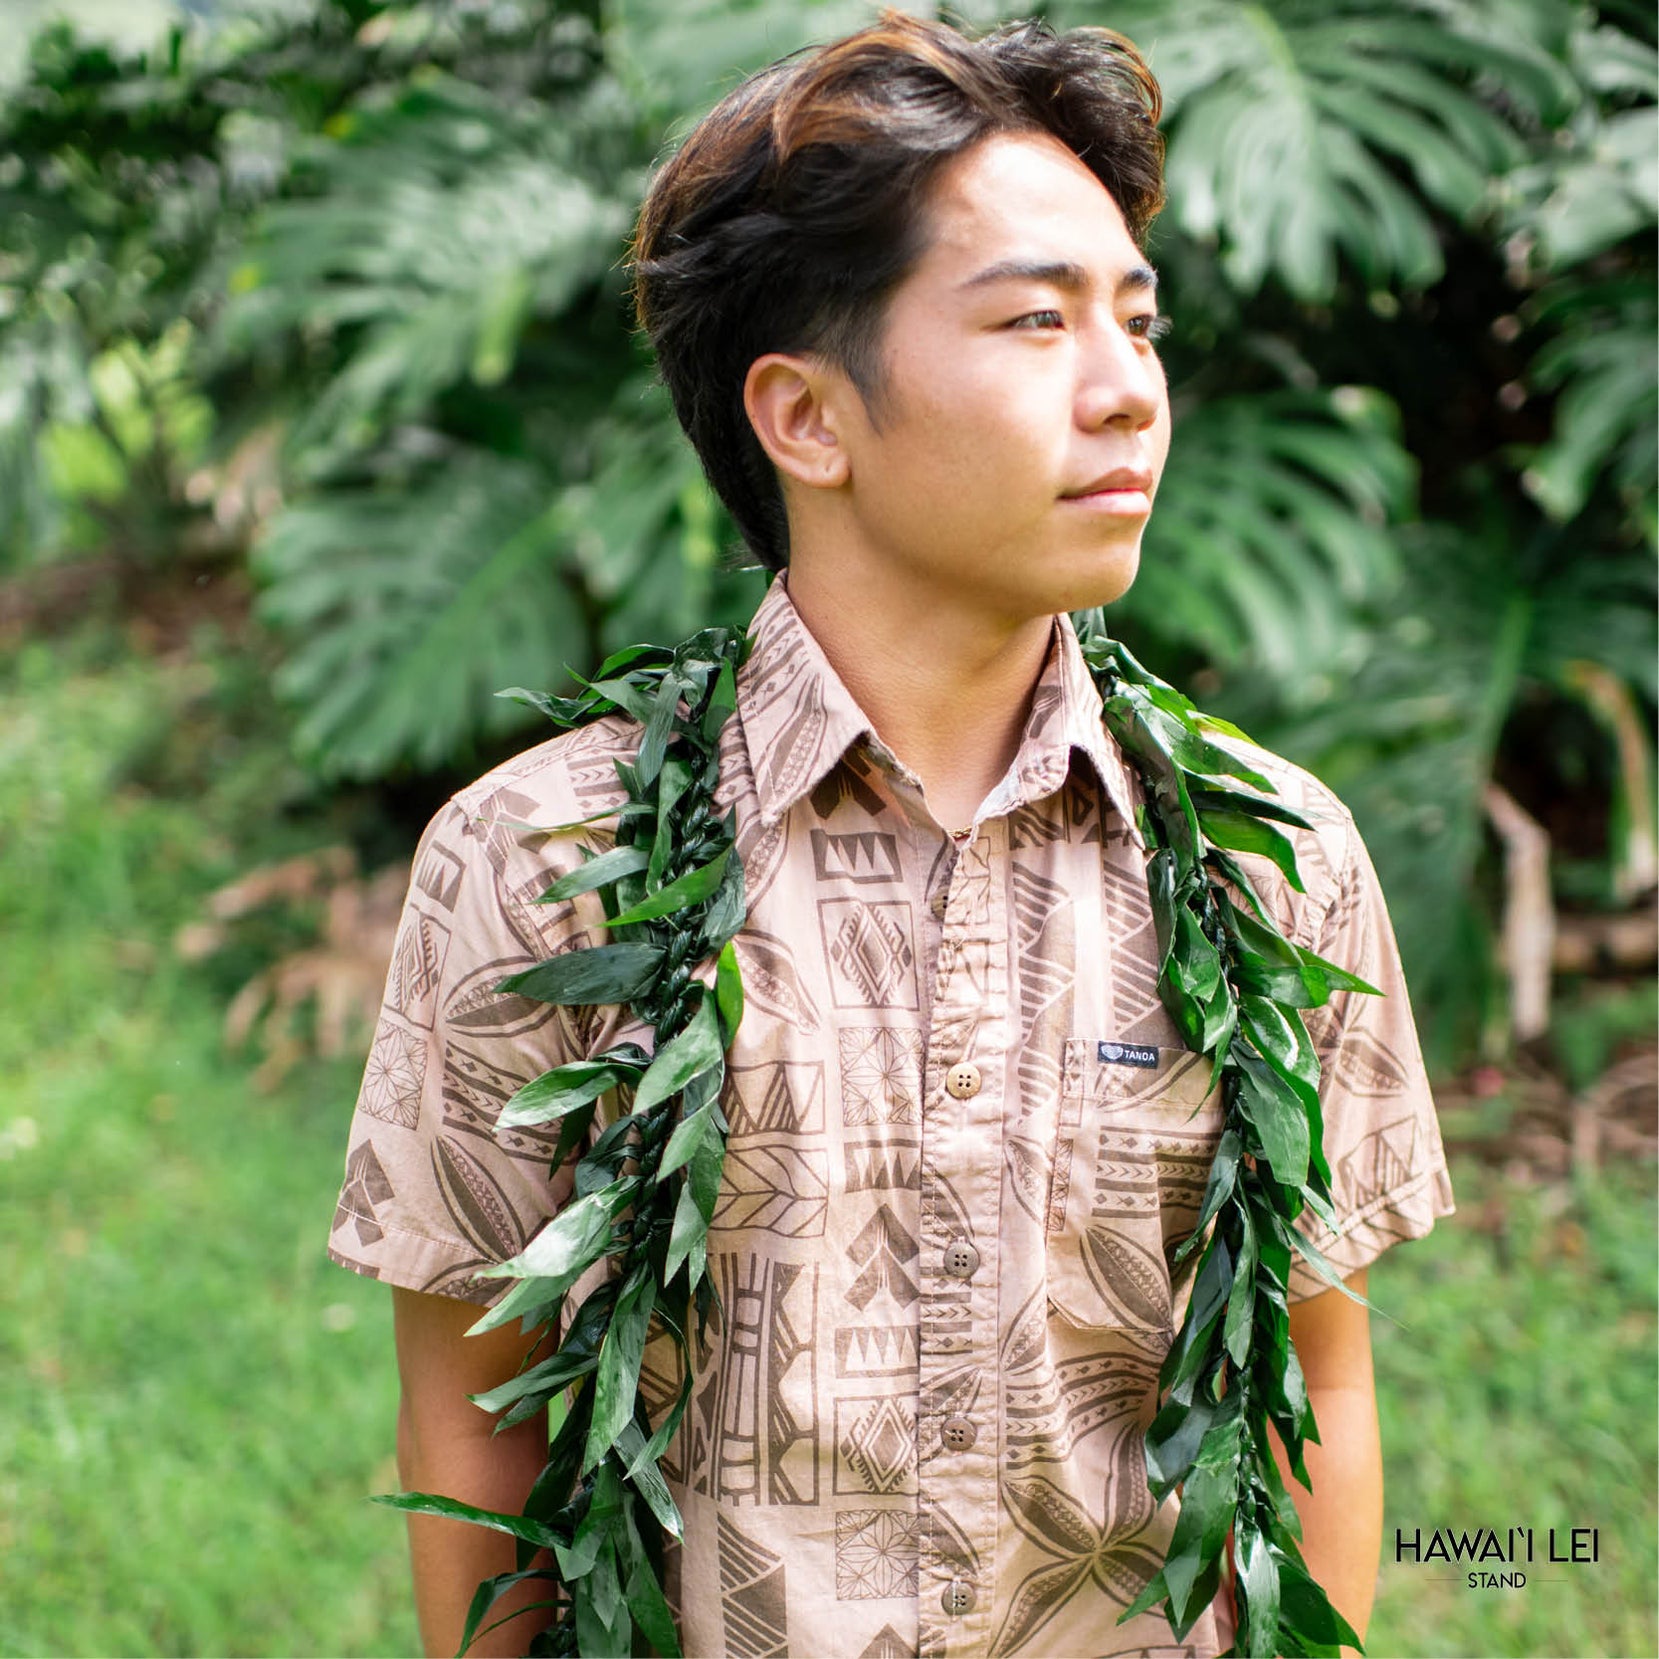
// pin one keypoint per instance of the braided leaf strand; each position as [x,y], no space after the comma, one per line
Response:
[1234,986]
[672,891]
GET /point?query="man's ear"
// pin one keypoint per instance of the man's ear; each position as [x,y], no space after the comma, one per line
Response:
[792,403]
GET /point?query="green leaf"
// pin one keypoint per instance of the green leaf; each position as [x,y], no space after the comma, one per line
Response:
[1325,1269]
[722,700]
[689,1135]
[704,1176]
[640,1466]
[603,1628]
[572,1241]
[1336,978]
[598,1525]
[489,1593]
[648,1607]
[546,1379]
[1152,1592]
[562,1090]
[1213,797]
[573,1129]
[1188,1352]
[650,1451]
[533,1300]
[598,976]
[429,1503]
[596,872]
[1195,958]
[563,711]
[1217,1189]
[627,696]
[1308,1610]
[1241,1301]
[1267,1471]
[728,992]
[1283,1042]
[1208,1499]
[691,888]
[690,1227]
[1176,1433]
[635,657]
[694,1050]
[1280,1120]
[619,1361]
[671,785]
[1258,1576]
[654,744]
[1240,834]
[1185,744]
[1235,872]
[726,910]
[1160,882]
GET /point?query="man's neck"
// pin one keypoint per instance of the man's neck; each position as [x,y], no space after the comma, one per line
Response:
[947,689]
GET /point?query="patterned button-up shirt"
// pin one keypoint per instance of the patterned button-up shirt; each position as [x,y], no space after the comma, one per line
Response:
[965,1139]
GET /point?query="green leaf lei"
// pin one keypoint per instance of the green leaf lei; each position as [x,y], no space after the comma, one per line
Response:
[672,891]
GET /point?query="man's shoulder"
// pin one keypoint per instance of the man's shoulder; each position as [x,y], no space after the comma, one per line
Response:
[1323,850]
[562,780]
[1297,787]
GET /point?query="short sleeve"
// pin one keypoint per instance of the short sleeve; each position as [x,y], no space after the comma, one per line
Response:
[1389,1179]
[431,1192]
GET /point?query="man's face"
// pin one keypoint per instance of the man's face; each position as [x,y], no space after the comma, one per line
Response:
[1009,396]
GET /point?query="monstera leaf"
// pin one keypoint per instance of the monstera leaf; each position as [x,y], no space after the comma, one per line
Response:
[1272,527]
[408,609]
[1477,626]
[1604,361]
[446,224]
[1289,125]
[678,57]
[410,605]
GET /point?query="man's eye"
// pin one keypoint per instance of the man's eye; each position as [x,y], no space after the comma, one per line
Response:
[1030,314]
[1152,327]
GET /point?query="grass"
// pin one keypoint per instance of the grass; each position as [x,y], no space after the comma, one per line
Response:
[195,1405]
[1523,1393]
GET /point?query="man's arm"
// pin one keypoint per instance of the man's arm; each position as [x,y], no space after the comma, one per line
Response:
[445,1445]
[1342,1518]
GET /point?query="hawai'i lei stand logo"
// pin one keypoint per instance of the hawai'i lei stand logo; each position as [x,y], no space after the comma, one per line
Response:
[1497,1556]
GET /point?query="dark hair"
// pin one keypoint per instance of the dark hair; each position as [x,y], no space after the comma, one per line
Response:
[789,214]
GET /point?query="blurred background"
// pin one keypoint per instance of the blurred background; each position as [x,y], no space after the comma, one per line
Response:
[321,419]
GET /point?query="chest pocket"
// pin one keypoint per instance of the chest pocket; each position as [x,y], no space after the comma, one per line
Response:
[1137,1133]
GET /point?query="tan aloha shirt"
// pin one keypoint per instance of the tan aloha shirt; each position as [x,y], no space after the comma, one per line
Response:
[965,1138]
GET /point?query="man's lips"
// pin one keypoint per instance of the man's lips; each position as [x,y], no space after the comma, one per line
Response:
[1134,480]
[1126,493]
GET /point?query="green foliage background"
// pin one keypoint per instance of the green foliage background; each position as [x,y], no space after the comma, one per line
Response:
[336,290]
[323,300]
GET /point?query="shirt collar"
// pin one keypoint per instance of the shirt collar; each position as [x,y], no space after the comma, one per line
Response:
[799,719]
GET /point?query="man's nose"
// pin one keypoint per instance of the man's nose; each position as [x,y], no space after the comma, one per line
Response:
[1120,380]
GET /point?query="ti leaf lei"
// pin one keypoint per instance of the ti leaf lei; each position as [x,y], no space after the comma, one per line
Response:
[672,890]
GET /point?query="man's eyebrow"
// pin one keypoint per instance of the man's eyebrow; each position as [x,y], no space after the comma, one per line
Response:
[1061,273]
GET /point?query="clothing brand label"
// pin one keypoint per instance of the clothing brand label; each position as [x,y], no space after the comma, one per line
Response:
[1128,1054]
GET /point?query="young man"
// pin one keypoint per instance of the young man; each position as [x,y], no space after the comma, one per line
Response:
[897,292]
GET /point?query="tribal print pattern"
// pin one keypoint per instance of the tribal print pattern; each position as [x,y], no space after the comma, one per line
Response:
[965,1139]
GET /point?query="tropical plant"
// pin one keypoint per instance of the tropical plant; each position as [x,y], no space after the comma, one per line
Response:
[339,289]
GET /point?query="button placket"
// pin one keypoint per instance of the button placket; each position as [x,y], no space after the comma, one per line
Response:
[961,1182]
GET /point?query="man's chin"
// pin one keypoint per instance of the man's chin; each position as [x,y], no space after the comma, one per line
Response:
[1103,584]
